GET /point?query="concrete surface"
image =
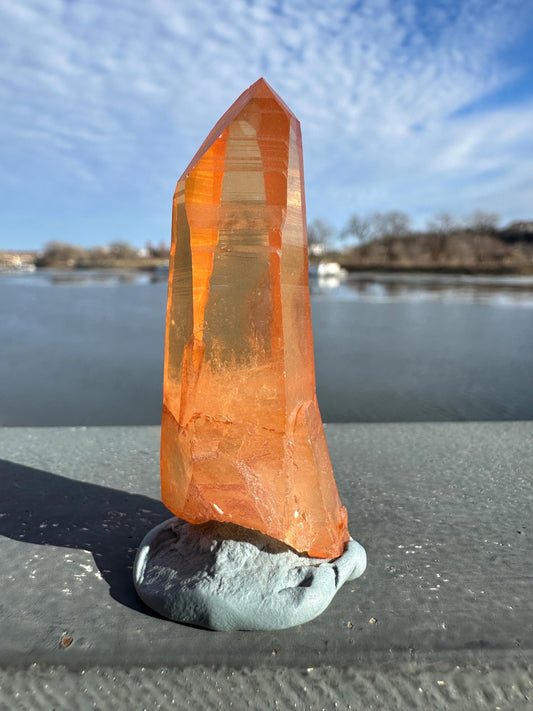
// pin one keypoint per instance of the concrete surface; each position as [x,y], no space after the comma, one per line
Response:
[444,511]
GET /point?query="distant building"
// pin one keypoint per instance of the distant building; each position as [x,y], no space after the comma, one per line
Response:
[317,249]
[17,261]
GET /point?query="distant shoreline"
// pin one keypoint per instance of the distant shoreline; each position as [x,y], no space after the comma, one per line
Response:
[446,249]
[467,269]
[161,266]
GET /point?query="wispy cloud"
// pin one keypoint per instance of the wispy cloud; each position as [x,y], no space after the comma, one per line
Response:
[103,103]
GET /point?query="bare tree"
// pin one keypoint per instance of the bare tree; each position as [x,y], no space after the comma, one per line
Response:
[60,254]
[358,227]
[161,251]
[482,221]
[443,223]
[391,224]
[122,250]
[440,228]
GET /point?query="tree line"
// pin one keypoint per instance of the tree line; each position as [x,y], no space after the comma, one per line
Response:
[381,240]
[386,240]
[118,253]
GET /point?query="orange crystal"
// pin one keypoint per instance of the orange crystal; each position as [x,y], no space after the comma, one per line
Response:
[242,438]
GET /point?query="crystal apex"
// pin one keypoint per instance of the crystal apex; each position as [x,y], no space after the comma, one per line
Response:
[259,89]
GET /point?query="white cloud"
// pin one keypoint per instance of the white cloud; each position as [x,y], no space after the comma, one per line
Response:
[101,94]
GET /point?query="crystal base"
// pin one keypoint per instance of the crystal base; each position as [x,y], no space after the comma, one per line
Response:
[225,577]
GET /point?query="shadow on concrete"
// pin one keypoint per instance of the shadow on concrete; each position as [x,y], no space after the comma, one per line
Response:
[44,508]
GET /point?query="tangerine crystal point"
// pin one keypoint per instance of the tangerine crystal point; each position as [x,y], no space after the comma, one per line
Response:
[242,437]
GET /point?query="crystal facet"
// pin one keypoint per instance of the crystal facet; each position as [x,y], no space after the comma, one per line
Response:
[242,438]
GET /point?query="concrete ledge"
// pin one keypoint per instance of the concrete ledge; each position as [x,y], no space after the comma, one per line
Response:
[443,510]
[502,685]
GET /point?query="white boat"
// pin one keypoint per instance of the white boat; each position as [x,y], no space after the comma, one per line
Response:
[330,269]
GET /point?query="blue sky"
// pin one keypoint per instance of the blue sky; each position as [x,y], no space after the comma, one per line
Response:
[416,105]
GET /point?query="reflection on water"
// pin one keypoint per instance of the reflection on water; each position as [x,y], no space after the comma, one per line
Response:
[387,287]
[86,347]
[83,277]
[361,286]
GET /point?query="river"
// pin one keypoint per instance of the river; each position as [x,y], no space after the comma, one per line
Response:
[86,348]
